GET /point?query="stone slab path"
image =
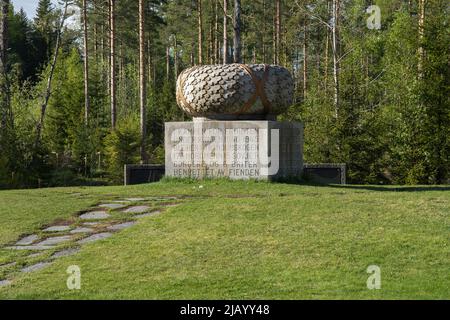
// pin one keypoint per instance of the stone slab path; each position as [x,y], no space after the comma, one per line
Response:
[8,265]
[35,267]
[4,283]
[65,253]
[57,229]
[121,226]
[95,237]
[27,240]
[34,247]
[98,224]
[81,230]
[54,240]
[137,209]
[95,215]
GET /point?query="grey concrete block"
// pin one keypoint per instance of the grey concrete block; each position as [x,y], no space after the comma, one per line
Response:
[193,141]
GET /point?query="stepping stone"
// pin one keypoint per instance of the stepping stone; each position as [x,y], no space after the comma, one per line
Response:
[148,214]
[57,229]
[8,265]
[135,199]
[112,206]
[137,209]
[4,283]
[35,267]
[81,230]
[65,253]
[95,215]
[91,224]
[95,237]
[34,255]
[54,240]
[121,226]
[27,240]
[33,247]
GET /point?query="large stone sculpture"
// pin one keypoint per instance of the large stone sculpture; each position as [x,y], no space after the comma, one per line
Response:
[234,133]
[234,90]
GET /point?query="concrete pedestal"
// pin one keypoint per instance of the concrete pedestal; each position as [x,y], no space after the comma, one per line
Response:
[253,149]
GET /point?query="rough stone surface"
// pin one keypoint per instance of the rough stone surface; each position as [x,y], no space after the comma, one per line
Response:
[54,241]
[226,89]
[81,230]
[245,158]
[91,224]
[33,247]
[8,265]
[95,215]
[121,226]
[137,209]
[112,206]
[4,283]
[35,255]
[27,240]
[35,267]
[57,229]
[65,253]
[95,237]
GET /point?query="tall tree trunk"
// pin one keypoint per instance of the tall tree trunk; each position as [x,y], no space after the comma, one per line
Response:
[48,89]
[421,32]
[149,62]
[274,39]
[4,87]
[237,32]
[142,82]
[305,57]
[87,106]
[263,36]
[211,43]
[225,31]
[200,32]
[175,57]
[216,32]
[326,60]
[335,36]
[278,31]
[168,62]
[112,45]
[96,42]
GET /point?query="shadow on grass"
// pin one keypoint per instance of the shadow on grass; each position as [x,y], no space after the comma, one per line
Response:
[394,189]
[305,182]
[375,188]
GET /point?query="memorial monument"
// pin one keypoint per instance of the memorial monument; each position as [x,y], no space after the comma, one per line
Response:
[234,132]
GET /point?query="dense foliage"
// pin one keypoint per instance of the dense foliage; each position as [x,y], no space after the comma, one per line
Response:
[375,99]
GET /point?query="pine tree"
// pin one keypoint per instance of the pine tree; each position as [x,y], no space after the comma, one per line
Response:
[45,22]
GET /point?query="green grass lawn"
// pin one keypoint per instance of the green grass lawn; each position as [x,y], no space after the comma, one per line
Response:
[244,240]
